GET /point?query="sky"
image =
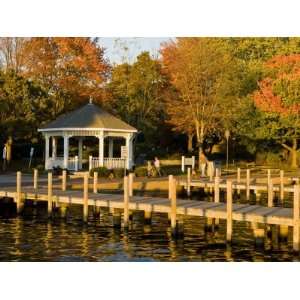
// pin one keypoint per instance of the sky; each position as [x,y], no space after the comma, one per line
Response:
[115,47]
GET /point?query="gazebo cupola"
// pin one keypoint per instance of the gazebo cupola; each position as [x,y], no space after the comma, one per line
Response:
[89,120]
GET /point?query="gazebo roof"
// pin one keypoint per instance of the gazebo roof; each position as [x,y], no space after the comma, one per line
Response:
[89,116]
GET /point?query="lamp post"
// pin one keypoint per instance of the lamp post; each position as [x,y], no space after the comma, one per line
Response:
[227,135]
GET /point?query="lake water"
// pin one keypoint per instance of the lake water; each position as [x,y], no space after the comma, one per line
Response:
[32,237]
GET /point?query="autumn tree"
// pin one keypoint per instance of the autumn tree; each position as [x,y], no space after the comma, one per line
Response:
[278,98]
[201,70]
[71,69]
[137,93]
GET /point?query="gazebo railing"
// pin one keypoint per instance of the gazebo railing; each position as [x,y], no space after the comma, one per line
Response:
[108,162]
[59,162]
[114,162]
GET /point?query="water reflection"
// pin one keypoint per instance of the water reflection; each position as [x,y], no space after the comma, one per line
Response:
[35,238]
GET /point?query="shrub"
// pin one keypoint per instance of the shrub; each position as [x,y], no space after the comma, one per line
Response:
[40,167]
[140,171]
[102,172]
[260,158]
[118,173]
[57,171]
[171,170]
[273,158]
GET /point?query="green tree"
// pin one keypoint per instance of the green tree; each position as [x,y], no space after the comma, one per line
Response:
[137,95]
[24,105]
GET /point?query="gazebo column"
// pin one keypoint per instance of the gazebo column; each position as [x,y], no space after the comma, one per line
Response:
[129,159]
[46,152]
[110,147]
[54,147]
[101,149]
[80,152]
[66,151]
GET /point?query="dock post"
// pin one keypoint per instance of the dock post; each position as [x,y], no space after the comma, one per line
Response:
[170,186]
[63,207]
[217,195]
[247,184]
[268,176]
[130,184]
[217,190]
[116,217]
[95,183]
[85,196]
[64,180]
[35,179]
[50,194]
[173,211]
[218,172]
[126,202]
[283,233]
[19,193]
[148,217]
[270,192]
[229,212]
[188,182]
[238,180]
[259,236]
[296,219]
[281,197]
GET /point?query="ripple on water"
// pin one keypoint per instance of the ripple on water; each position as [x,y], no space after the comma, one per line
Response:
[34,238]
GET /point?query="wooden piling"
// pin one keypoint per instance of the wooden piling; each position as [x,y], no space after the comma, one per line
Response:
[19,192]
[85,196]
[35,179]
[50,200]
[296,219]
[247,184]
[116,217]
[95,183]
[283,233]
[173,205]
[170,181]
[270,192]
[63,210]
[218,172]
[238,179]
[126,202]
[64,180]
[211,176]
[130,184]
[217,195]
[188,182]
[148,217]
[268,176]
[259,236]
[281,197]
[217,190]
[229,211]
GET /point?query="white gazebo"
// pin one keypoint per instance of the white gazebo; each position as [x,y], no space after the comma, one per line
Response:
[89,120]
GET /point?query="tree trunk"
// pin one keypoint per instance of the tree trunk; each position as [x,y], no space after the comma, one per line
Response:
[8,149]
[294,163]
[190,142]
[200,139]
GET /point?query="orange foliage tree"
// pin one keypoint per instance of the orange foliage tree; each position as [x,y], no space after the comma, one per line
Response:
[278,99]
[199,71]
[72,69]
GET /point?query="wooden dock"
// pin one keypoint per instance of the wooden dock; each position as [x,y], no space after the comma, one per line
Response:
[122,204]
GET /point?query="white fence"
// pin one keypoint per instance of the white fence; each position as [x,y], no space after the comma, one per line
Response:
[59,162]
[108,162]
[187,161]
